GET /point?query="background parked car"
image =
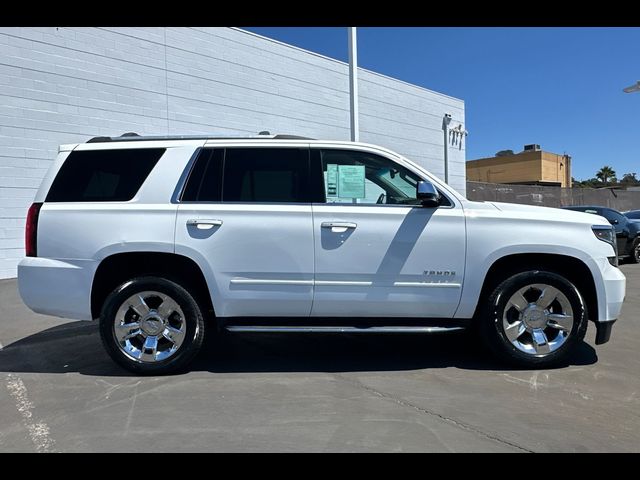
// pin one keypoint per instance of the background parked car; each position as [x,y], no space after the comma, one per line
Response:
[627,230]
[632,215]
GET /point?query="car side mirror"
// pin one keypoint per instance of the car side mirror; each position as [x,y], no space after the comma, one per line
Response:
[613,222]
[427,194]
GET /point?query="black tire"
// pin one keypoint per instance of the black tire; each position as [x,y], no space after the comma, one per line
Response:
[634,257]
[490,321]
[193,323]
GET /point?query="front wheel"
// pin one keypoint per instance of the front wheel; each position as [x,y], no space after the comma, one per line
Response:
[635,251]
[534,319]
[151,326]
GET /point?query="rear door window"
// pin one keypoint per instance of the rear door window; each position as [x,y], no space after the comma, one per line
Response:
[205,180]
[266,175]
[103,175]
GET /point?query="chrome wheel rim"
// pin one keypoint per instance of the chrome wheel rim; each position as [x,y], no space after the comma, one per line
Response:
[636,252]
[538,319]
[149,327]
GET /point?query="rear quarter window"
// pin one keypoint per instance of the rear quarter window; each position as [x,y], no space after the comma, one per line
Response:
[103,175]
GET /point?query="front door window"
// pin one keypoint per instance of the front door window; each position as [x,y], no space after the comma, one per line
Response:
[362,178]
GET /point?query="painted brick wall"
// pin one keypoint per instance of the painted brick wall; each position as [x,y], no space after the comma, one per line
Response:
[65,85]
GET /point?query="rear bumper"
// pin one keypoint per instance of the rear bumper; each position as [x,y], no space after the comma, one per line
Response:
[55,287]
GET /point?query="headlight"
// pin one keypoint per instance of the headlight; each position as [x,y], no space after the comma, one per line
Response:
[608,235]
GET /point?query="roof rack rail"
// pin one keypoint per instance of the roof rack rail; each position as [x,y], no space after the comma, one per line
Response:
[292,137]
[134,137]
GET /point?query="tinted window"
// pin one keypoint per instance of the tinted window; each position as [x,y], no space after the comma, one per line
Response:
[635,214]
[205,180]
[266,175]
[612,215]
[364,178]
[103,175]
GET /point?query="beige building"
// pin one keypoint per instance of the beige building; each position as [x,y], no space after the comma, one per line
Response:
[532,166]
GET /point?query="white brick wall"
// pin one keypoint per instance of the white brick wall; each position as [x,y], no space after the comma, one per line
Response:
[65,85]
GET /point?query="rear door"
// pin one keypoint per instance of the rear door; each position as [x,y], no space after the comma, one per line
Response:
[245,216]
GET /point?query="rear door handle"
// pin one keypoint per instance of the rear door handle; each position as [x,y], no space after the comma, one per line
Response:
[203,224]
[339,227]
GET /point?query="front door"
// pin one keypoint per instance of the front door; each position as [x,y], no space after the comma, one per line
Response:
[378,252]
[245,216]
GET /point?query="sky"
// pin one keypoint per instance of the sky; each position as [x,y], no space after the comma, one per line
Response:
[560,87]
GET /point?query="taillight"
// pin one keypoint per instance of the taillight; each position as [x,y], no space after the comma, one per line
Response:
[31,230]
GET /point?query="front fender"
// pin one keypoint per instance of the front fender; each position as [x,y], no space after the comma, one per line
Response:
[476,272]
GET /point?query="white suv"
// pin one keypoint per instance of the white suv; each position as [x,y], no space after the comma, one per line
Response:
[162,238]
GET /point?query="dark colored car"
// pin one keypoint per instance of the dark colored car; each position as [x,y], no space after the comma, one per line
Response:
[627,231]
[633,214]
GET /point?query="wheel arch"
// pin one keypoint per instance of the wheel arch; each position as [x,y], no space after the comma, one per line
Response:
[572,268]
[120,267]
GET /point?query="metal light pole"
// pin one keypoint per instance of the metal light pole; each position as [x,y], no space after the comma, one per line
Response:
[445,126]
[353,84]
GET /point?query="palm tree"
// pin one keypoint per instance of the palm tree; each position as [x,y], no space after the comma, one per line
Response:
[605,173]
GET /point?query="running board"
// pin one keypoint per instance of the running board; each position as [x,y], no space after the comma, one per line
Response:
[339,329]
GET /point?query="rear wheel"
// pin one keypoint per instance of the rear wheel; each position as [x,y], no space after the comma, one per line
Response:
[151,326]
[534,319]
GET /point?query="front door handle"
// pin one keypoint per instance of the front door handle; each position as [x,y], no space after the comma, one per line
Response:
[339,227]
[203,224]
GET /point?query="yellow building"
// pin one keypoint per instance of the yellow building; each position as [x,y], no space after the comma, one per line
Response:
[532,166]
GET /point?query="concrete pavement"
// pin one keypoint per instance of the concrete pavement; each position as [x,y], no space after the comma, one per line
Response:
[59,391]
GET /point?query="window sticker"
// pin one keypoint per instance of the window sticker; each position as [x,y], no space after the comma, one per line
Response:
[351,181]
[331,178]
